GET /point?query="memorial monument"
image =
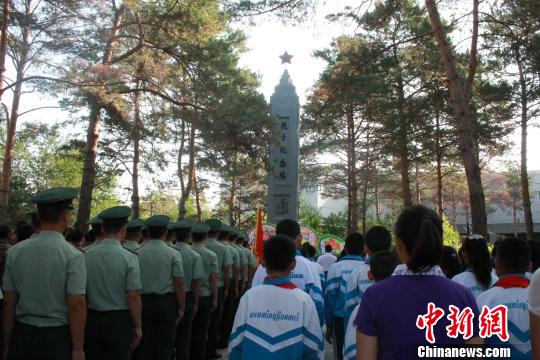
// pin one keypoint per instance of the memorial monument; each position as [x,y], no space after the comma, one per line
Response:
[284,154]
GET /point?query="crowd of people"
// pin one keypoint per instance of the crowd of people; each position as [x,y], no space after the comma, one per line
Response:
[134,289]
[154,289]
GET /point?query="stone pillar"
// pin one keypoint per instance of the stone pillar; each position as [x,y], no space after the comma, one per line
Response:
[284,153]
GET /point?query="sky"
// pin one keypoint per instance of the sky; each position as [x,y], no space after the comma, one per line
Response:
[266,40]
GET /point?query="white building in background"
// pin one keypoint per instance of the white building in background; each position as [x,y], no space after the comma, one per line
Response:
[500,220]
[313,195]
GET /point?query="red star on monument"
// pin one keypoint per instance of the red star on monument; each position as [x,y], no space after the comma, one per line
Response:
[286,58]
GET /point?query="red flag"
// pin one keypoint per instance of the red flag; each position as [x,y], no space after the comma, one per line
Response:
[259,236]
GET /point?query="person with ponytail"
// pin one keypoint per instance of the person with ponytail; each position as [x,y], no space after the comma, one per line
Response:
[386,322]
[478,276]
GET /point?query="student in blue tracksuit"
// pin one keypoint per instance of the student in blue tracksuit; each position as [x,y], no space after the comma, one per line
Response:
[382,265]
[304,275]
[276,320]
[336,288]
[512,261]
[378,238]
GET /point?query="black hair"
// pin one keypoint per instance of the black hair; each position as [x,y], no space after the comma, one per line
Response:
[382,264]
[449,262]
[182,234]
[231,236]
[421,231]
[196,237]
[378,238]
[171,234]
[144,232]
[90,236]
[535,254]
[312,252]
[98,229]
[327,248]
[113,226]
[213,234]
[245,243]
[304,250]
[35,220]
[73,235]
[155,232]
[24,231]
[477,252]
[52,212]
[5,230]
[279,252]
[288,227]
[239,240]
[514,255]
[354,243]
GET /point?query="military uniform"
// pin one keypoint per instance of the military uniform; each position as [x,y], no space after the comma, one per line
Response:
[96,223]
[170,235]
[236,277]
[43,271]
[112,272]
[134,225]
[193,272]
[201,321]
[160,265]
[225,259]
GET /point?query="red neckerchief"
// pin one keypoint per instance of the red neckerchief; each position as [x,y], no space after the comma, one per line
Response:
[513,281]
[280,281]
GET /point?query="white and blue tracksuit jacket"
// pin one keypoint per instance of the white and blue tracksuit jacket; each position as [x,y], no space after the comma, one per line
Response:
[276,323]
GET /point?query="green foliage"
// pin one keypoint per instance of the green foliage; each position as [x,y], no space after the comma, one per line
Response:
[42,159]
[450,234]
[335,224]
[310,216]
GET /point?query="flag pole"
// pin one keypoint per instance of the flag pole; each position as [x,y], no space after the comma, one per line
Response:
[259,236]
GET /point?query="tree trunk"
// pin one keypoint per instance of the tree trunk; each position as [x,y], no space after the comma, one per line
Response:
[453,203]
[417,183]
[13,117]
[364,204]
[92,134]
[403,139]
[197,197]
[460,104]
[3,43]
[405,180]
[351,157]
[514,208]
[136,134]
[232,196]
[377,206]
[438,162]
[182,211]
[525,196]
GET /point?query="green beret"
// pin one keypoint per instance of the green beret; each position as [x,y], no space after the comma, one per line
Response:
[135,224]
[184,224]
[215,224]
[95,221]
[158,221]
[55,195]
[115,212]
[170,227]
[200,228]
